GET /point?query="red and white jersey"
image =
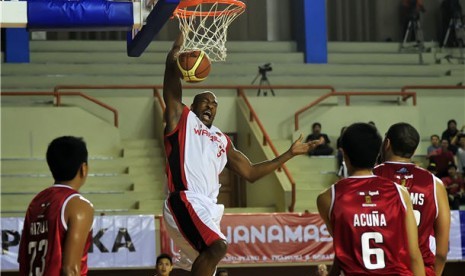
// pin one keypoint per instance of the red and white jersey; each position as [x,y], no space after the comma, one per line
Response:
[44,232]
[196,156]
[421,185]
[369,232]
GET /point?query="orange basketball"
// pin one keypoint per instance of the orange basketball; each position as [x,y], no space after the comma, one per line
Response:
[194,65]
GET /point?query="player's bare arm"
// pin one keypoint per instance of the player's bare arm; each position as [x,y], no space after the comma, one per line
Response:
[416,260]
[441,228]
[172,88]
[79,216]
[241,165]
[323,202]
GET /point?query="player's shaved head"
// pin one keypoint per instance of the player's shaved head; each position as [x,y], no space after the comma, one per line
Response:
[201,95]
[404,139]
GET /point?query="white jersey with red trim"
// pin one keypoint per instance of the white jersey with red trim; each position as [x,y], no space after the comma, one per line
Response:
[196,155]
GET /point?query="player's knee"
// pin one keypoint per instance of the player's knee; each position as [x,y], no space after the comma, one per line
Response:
[218,248]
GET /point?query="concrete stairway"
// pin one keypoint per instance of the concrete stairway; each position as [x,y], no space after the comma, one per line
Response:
[146,165]
[311,174]
[128,185]
[351,66]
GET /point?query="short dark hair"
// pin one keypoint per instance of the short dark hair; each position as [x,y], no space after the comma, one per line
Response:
[451,121]
[164,256]
[434,135]
[451,165]
[404,139]
[65,156]
[316,124]
[361,143]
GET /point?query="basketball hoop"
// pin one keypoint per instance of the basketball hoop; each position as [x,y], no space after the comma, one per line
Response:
[204,24]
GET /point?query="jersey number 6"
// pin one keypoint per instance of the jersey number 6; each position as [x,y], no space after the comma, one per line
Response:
[368,252]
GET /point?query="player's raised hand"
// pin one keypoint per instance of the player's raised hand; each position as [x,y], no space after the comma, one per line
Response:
[298,147]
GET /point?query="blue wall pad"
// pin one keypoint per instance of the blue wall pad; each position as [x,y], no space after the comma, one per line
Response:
[85,14]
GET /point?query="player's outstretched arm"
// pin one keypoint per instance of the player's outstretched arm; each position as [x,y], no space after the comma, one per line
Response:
[241,165]
[172,88]
[416,260]
[441,228]
[79,216]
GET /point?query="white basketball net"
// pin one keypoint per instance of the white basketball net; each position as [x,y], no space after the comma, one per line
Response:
[207,28]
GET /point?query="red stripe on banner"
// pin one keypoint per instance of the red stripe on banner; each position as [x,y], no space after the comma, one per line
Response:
[208,235]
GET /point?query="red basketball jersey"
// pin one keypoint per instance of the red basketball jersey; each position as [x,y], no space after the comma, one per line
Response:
[421,185]
[368,218]
[44,231]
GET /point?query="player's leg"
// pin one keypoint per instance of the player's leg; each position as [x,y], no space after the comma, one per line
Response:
[206,262]
[197,218]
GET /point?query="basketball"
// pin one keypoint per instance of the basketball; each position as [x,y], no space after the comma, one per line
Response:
[194,66]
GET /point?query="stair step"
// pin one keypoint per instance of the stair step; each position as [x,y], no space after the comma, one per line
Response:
[38,166]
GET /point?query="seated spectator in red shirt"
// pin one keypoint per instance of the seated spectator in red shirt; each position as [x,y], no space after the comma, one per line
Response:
[443,159]
[455,187]
[434,147]
[323,148]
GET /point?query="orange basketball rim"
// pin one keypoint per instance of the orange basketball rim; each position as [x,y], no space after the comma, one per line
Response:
[186,8]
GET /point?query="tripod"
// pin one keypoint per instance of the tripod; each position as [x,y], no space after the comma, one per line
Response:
[263,80]
[456,24]
[414,27]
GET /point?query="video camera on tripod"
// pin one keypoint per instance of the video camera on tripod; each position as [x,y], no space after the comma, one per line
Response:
[262,70]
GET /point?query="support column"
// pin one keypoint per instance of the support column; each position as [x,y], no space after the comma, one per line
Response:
[16,45]
[315,35]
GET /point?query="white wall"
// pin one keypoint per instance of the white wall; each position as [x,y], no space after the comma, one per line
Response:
[27,131]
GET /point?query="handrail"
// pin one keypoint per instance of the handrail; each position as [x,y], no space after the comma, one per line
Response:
[155,89]
[347,95]
[267,141]
[429,87]
[58,96]
[307,107]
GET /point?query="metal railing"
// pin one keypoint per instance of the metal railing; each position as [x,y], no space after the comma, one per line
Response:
[57,95]
[347,96]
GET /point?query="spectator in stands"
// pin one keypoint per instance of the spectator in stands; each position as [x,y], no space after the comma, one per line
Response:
[455,187]
[323,148]
[461,154]
[451,134]
[443,159]
[164,265]
[434,147]
[322,270]
[342,172]
[221,272]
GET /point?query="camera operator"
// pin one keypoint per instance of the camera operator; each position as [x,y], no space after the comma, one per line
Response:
[410,11]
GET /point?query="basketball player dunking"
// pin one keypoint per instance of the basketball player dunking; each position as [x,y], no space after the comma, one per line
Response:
[370,217]
[196,153]
[429,197]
